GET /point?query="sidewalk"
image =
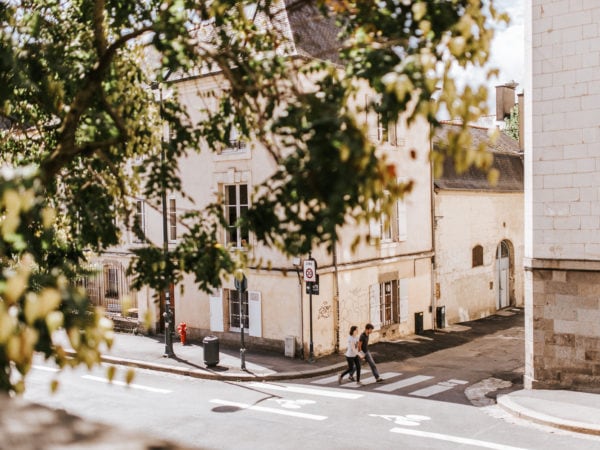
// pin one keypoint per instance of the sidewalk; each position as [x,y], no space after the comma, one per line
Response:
[148,352]
[569,410]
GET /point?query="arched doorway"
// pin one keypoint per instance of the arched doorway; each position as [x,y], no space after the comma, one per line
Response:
[503,274]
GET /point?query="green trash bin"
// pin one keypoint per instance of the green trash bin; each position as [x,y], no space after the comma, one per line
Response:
[419,323]
[440,316]
[211,350]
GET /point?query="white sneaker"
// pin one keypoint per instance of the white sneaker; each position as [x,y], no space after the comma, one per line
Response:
[358,383]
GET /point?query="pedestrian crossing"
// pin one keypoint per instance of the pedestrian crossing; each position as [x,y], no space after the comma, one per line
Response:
[393,382]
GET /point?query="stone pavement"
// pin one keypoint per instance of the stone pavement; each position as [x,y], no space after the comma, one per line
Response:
[575,411]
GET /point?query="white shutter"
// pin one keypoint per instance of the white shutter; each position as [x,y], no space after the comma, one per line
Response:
[374,304]
[403,294]
[254,314]
[216,312]
[374,224]
[401,216]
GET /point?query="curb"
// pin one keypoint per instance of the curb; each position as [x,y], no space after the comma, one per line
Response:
[209,374]
[522,412]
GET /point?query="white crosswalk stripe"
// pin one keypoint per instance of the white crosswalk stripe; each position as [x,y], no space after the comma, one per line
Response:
[327,380]
[437,388]
[333,379]
[403,383]
[389,386]
[369,380]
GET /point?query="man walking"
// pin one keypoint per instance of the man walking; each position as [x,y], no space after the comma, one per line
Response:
[363,345]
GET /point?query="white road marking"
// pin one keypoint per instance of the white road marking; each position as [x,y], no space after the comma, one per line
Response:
[47,369]
[369,380]
[333,379]
[292,404]
[411,420]
[437,388]
[403,383]
[455,439]
[326,380]
[269,410]
[303,390]
[131,385]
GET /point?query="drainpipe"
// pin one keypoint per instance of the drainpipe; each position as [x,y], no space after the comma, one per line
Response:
[433,265]
[297,266]
[336,299]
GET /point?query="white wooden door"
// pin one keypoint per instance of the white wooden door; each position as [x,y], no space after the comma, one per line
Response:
[254,314]
[216,312]
[503,266]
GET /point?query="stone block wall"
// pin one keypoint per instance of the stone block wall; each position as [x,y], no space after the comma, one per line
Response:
[563,345]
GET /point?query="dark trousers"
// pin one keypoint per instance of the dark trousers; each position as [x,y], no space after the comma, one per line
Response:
[372,365]
[353,366]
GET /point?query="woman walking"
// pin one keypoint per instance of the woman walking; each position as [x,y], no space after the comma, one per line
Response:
[352,357]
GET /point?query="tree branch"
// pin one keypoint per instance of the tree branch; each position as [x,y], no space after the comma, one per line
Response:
[99,32]
[66,147]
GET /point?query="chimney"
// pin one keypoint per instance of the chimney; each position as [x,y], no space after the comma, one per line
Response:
[521,99]
[505,100]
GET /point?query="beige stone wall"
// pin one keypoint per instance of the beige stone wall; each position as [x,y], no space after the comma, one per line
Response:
[564,346]
[285,304]
[465,219]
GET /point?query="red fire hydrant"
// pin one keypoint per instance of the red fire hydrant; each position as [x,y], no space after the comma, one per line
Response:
[182,330]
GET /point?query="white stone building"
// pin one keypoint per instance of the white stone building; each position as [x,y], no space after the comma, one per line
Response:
[385,283]
[390,284]
[478,234]
[562,194]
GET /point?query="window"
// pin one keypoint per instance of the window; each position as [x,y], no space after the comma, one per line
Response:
[139,221]
[234,309]
[386,129]
[236,206]
[388,302]
[172,219]
[385,226]
[111,282]
[394,228]
[477,256]
[236,143]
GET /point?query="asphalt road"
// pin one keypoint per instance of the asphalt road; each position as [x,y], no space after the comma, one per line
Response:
[422,405]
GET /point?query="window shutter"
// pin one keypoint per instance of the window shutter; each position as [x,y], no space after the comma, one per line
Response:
[402,220]
[374,224]
[216,311]
[254,314]
[393,133]
[374,303]
[403,294]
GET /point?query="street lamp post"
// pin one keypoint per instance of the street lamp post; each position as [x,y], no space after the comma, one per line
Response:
[241,286]
[168,314]
[310,269]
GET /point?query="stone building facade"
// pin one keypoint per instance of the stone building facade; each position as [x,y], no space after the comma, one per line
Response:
[478,231]
[562,194]
[386,281]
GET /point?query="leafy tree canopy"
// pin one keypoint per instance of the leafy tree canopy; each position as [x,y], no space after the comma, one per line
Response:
[76,108]
[512,123]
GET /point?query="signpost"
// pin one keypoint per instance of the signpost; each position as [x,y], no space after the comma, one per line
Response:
[313,288]
[310,276]
[241,285]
